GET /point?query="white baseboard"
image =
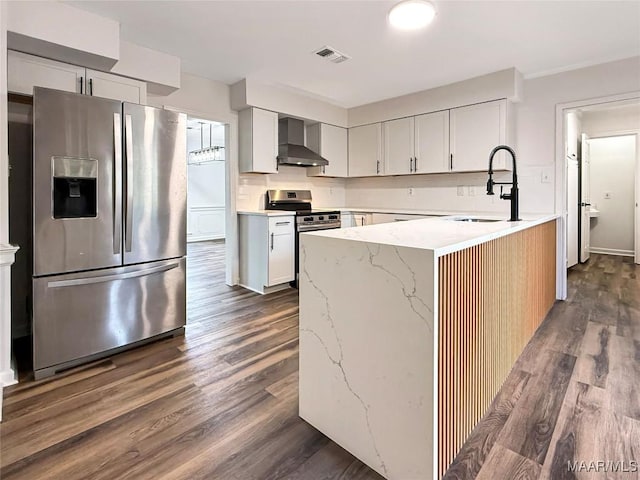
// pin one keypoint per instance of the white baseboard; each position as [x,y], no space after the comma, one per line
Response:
[612,251]
[8,377]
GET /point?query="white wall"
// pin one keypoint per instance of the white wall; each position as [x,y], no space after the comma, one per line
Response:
[326,192]
[534,146]
[612,120]
[249,93]
[65,33]
[613,161]
[503,84]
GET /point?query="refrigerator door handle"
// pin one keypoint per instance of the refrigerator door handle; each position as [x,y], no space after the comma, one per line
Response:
[111,278]
[117,182]
[128,132]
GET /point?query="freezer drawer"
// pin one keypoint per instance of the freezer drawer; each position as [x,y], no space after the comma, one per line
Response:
[84,314]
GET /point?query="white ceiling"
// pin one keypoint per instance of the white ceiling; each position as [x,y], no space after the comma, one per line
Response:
[273,41]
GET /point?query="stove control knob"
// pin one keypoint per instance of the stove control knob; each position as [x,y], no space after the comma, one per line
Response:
[308,219]
[321,217]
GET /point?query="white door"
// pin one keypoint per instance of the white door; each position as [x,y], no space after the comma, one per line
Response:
[281,258]
[333,147]
[106,85]
[585,198]
[573,211]
[432,143]
[475,130]
[365,150]
[26,71]
[398,146]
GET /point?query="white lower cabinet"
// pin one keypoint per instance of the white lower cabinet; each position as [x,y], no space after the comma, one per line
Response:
[355,219]
[267,252]
[377,218]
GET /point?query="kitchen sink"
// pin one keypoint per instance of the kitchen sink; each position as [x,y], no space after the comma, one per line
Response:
[482,220]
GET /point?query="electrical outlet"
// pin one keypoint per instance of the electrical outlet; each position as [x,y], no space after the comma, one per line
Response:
[472,190]
[460,191]
[411,191]
[546,175]
[607,195]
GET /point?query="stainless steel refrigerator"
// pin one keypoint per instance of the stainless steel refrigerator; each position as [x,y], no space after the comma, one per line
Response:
[109,227]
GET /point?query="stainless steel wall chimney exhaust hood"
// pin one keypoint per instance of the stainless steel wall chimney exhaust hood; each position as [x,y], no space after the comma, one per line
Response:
[291,149]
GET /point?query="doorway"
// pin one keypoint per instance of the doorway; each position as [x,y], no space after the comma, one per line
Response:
[206,185]
[601,150]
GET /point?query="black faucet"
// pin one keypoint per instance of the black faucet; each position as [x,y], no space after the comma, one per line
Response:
[513,196]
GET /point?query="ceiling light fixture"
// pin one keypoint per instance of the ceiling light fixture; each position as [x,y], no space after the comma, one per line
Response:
[412,14]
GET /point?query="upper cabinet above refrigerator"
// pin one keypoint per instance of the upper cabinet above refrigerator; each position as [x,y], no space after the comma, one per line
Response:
[25,72]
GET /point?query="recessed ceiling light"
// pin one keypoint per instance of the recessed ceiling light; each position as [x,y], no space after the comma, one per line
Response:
[412,14]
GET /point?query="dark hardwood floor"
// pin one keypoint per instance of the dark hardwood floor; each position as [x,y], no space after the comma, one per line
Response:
[574,393]
[221,402]
[218,403]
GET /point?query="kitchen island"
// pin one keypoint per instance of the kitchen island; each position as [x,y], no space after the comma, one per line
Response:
[408,329]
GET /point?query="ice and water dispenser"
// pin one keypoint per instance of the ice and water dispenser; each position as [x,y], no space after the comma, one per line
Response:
[74,186]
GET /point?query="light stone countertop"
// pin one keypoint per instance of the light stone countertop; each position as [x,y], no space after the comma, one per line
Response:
[443,235]
[267,213]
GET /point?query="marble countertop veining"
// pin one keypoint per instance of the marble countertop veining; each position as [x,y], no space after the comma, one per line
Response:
[443,235]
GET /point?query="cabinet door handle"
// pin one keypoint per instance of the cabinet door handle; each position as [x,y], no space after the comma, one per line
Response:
[91,86]
[377,167]
[451,161]
[81,85]
[282,223]
[410,164]
[415,164]
[324,170]
[272,242]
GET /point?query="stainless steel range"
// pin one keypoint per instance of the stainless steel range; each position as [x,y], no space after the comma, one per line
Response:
[307,219]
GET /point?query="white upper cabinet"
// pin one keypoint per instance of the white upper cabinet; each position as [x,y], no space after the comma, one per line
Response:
[28,71]
[431,153]
[258,132]
[365,150]
[475,131]
[108,85]
[398,146]
[330,142]
[417,144]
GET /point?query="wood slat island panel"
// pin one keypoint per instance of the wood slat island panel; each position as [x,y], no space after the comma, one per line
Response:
[492,298]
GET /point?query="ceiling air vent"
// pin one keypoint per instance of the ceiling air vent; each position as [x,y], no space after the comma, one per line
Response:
[331,54]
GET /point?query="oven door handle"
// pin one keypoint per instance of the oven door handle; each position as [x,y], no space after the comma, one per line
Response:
[311,228]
